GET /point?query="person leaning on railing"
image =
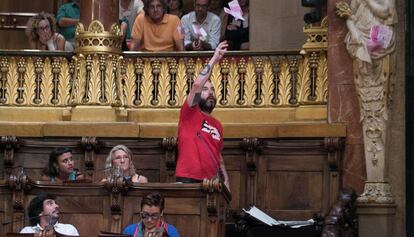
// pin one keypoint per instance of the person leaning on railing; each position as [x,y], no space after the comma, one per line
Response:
[41,31]
[156,30]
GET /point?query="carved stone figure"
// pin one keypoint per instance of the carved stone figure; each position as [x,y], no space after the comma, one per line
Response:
[371,43]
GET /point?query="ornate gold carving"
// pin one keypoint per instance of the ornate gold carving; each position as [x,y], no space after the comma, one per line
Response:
[293,71]
[316,36]
[190,74]
[38,86]
[259,80]
[241,70]
[137,87]
[21,70]
[4,71]
[144,82]
[173,69]
[55,81]
[156,71]
[313,77]
[97,40]
[97,80]
[224,82]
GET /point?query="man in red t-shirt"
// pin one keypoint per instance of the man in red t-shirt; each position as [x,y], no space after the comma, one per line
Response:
[200,136]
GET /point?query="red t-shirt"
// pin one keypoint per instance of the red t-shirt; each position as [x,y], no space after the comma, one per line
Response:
[200,141]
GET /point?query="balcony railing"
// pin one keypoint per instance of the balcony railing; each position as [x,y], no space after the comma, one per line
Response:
[263,79]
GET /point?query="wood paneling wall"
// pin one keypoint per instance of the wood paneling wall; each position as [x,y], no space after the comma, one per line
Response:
[194,209]
[289,178]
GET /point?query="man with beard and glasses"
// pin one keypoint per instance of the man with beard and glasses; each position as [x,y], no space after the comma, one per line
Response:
[200,136]
[43,211]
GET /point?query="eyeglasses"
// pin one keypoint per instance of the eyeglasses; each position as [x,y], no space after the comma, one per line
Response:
[147,216]
[121,157]
[43,28]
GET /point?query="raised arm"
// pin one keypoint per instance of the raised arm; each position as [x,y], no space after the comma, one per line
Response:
[195,93]
[66,21]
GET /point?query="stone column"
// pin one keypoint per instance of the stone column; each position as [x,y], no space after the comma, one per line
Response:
[371,72]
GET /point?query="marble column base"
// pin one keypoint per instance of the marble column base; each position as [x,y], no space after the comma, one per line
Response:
[376,192]
[375,219]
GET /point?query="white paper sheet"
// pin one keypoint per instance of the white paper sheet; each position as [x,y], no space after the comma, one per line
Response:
[263,217]
[235,10]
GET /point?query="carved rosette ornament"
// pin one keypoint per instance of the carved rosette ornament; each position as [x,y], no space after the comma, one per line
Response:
[316,36]
[371,43]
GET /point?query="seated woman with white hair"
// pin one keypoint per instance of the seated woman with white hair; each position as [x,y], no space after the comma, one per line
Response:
[121,157]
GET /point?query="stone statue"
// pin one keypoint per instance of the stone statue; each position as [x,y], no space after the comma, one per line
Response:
[371,43]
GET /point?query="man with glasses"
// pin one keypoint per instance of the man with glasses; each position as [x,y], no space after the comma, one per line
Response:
[201,27]
[156,30]
[152,222]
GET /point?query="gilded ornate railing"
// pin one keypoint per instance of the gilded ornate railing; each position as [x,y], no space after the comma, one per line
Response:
[160,80]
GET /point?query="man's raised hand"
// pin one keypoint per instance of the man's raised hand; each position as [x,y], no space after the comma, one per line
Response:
[220,50]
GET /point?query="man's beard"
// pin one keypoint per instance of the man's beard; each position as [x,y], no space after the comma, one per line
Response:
[53,219]
[207,105]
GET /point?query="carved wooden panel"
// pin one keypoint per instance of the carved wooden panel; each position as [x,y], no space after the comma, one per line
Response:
[5,209]
[194,209]
[289,178]
[84,205]
[294,178]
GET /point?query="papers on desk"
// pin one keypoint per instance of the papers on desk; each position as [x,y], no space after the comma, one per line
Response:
[263,217]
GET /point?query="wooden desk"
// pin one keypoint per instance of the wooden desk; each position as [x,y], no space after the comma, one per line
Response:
[194,209]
